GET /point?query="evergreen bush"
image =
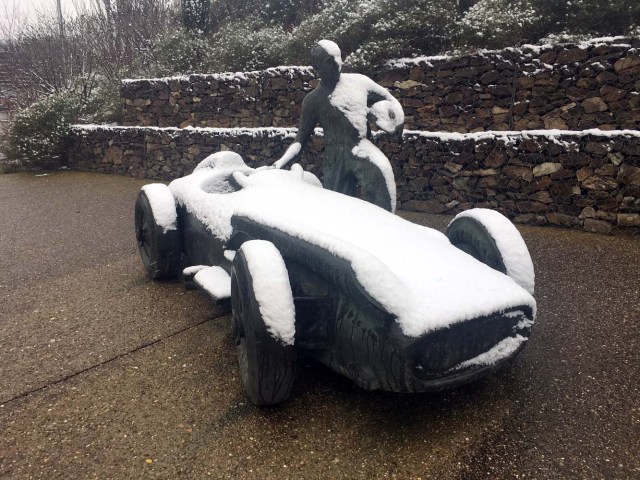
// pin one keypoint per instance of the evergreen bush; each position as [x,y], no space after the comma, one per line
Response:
[498,23]
[248,45]
[39,133]
[181,52]
[196,15]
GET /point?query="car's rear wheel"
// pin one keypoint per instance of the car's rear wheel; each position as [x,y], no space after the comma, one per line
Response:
[491,238]
[266,364]
[159,248]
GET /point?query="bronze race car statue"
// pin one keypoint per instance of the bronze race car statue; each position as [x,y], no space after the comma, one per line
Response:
[389,304]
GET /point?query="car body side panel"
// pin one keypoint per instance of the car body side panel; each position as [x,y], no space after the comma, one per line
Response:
[340,325]
[199,245]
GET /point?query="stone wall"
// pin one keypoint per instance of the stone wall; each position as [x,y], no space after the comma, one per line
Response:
[569,86]
[253,99]
[587,180]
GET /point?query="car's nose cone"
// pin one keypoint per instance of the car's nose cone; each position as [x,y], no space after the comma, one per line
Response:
[475,344]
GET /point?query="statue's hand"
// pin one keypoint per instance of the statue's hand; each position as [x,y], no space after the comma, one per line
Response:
[278,164]
[292,152]
[386,115]
[397,135]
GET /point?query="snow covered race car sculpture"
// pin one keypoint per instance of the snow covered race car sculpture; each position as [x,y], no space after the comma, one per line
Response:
[390,304]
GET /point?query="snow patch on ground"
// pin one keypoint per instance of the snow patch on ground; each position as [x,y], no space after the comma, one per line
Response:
[514,251]
[271,288]
[163,206]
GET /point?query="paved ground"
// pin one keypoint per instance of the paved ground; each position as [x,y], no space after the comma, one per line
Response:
[104,374]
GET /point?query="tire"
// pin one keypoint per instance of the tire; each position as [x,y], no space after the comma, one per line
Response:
[491,238]
[266,364]
[159,248]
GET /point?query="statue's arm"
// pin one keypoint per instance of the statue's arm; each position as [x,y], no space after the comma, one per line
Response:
[384,109]
[305,130]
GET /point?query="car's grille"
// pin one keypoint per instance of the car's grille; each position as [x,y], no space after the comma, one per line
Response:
[439,353]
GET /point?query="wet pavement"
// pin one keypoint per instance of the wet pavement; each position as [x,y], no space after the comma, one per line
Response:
[105,374]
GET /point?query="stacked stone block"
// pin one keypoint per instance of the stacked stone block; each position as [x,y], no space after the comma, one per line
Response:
[586,180]
[575,87]
[246,99]
[562,168]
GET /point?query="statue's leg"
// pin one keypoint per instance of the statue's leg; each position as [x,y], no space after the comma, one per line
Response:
[336,173]
[372,185]
[374,175]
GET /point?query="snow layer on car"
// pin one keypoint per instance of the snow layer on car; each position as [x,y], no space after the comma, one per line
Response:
[214,280]
[515,254]
[192,270]
[412,271]
[163,206]
[503,349]
[271,288]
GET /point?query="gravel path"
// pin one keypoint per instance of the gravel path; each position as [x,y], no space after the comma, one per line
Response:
[104,374]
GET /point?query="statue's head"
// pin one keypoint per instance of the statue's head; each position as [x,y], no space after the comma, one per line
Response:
[327,60]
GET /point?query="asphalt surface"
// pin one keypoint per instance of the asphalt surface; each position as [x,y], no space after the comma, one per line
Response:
[105,374]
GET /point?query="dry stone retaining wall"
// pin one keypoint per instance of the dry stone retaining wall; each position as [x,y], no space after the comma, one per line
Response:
[588,180]
[576,87]
[249,99]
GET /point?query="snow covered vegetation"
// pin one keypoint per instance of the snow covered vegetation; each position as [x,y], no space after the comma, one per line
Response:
[86,56]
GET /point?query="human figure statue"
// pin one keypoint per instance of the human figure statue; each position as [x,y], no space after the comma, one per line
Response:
[344,104]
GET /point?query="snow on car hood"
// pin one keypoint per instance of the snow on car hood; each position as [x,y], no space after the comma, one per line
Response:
[412,271]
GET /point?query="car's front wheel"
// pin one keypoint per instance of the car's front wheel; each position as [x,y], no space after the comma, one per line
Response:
[260,290]
[156,231]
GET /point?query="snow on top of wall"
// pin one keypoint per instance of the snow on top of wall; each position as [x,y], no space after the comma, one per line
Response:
[515,134]
[522,50]
[290,70]
[234,131]
[543,47]
[226,76]
[412,271]
[406,61]
[617,41]
[444,136]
